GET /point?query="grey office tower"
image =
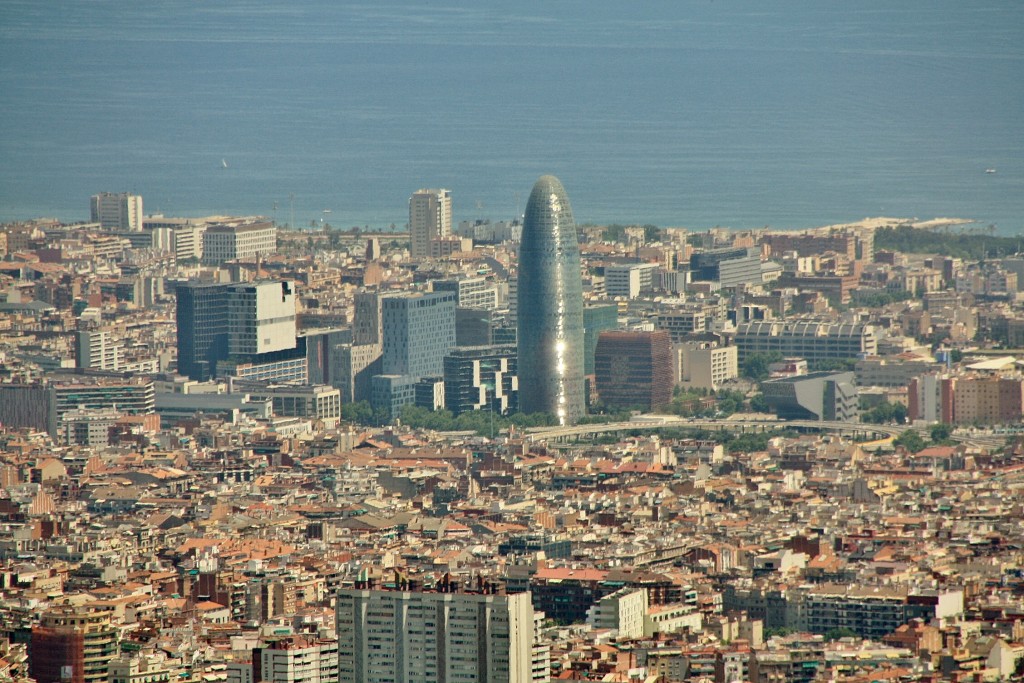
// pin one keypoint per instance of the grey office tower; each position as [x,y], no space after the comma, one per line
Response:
[550,307]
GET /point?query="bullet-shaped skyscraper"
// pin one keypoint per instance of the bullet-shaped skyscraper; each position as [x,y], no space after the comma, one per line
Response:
[550,303]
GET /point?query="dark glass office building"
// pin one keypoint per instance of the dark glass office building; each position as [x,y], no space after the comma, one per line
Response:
[550,300]
[202,318]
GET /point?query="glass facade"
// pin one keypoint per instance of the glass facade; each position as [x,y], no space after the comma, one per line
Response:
[550,307]
[202,318]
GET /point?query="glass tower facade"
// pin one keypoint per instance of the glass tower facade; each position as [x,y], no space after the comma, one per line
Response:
[202,317]
[550,307]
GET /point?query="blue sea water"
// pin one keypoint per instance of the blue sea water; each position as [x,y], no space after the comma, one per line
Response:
[789,113]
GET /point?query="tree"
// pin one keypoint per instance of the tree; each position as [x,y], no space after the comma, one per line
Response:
[885,413]
[747,443]
[780,631]
[755,365]
[870,298]
[359,412]
[833,365]
[941,433]
[759,404]
[910,440]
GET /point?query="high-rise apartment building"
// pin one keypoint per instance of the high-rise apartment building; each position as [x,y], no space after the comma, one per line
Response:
[430,219]
[550,306]
[401,636]
[366,318]
[988,400]
[418,330]
[117,211]
[97,350]
[930,397]
[73,645]
[296,659]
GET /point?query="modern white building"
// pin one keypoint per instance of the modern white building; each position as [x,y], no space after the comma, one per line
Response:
[97,350]
[183,236]
[297,659]
[261,317]
[629,280]
[117,211]
[430,219]
[673,618]
[622,611]
[471,292]
[223,243]
[401,636]
[305,400]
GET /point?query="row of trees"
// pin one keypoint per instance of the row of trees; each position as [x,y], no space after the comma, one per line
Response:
[483,422]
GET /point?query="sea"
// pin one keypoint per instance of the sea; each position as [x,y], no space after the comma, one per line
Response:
[703,113]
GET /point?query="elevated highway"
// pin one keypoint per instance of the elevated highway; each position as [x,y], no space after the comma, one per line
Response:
[653,422]
[650,422]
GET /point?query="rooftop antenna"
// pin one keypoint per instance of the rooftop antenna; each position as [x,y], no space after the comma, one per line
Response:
[291,200]
[518,215]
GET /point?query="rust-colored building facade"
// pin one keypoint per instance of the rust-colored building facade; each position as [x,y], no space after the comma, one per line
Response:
[634,369]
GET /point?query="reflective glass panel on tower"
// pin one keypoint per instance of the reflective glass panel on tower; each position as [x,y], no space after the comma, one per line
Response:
[550,299]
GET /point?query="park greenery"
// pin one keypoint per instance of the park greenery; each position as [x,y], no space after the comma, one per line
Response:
[965,244]
[693,403]
[938,435]
[755,365]
[832,365]
[874,298]
[884,413]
